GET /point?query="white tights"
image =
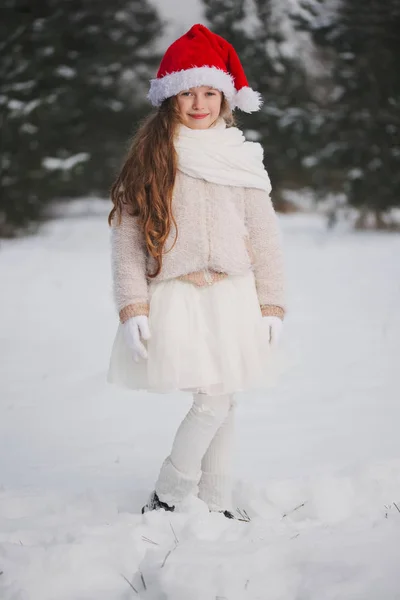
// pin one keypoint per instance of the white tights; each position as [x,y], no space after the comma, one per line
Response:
[200,459]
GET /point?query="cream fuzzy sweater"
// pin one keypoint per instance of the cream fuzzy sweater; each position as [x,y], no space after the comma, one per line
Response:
[221,229]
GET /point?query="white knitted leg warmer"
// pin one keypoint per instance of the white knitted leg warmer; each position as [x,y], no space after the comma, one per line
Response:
[215,487]
[181,471]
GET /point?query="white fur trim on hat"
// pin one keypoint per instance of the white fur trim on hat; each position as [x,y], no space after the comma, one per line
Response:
[173,83]
[248,100]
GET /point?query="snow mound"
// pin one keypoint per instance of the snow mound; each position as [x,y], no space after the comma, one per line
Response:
[331,537]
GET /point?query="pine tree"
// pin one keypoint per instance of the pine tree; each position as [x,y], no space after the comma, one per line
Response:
[288,105]
[73,77]
[362,123]
[282,126]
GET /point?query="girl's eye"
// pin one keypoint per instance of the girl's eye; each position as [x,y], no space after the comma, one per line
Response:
[210,93]
[185,94]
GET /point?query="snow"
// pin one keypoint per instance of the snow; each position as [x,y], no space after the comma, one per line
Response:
[64,164]
[18,107]
[178,18]
[66,72]
[317,460]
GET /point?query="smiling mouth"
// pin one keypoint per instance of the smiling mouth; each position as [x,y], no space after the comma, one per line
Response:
[198,116]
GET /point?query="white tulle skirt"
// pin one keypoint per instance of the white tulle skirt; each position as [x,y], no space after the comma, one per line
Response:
[211,339]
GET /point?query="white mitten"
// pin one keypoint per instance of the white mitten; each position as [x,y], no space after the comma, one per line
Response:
[275,329]
[134,329]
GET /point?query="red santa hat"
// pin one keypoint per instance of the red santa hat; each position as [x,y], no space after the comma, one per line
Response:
[198,58]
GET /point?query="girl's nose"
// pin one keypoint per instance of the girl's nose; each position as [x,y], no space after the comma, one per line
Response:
[197,102]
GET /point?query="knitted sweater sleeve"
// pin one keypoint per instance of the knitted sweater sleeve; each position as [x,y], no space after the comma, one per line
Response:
[266,247]
[128,254]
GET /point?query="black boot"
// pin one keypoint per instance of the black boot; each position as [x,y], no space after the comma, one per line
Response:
[154,503]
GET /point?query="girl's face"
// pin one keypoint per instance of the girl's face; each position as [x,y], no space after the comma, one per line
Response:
[199,107]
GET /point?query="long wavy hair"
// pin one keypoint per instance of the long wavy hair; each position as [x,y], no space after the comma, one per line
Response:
[144,186]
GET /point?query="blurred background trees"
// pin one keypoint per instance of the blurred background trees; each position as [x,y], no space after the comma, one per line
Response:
[329,73]
[362,121]
[74,76]
[73,81]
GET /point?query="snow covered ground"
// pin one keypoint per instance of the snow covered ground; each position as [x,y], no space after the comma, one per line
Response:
[318,456]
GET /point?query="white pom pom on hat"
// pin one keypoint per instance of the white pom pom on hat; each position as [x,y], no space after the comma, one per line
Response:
[198,58]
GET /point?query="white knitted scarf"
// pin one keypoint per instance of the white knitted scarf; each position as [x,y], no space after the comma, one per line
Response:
[221,155]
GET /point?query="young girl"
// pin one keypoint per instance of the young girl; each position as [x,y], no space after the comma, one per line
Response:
[197,262]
